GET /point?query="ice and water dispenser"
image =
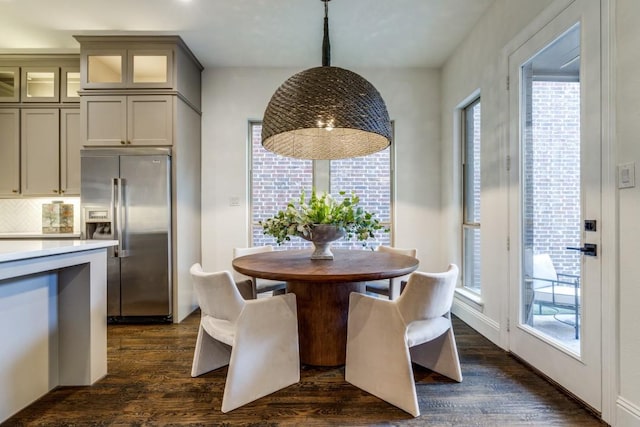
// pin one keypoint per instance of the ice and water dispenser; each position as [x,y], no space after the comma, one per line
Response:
[97,224]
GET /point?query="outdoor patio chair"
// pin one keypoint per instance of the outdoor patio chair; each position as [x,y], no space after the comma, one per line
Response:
[556,290]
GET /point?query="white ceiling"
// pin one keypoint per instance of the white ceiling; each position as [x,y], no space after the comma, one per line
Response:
[256,33]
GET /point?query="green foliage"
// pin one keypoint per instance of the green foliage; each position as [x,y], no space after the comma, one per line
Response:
[299,217]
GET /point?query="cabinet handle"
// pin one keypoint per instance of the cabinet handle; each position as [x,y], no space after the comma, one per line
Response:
[15,191]
[122,142]
[55,191]
[61,191]
[128,142]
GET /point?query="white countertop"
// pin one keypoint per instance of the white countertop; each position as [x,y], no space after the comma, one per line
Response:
[36,235]
[13,250]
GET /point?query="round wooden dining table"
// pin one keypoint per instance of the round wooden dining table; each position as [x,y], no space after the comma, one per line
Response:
[322,289]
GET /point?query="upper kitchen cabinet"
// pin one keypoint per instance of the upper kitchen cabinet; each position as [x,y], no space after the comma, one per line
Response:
[40,152]
[33,80]
[9,84]
[70,145]
[69,84]
[139,62]
[127,68]
[40,84]
[9,152]
[134,89]
[103,68]
[109,120]
[50,152]
[150,68]
[39,125]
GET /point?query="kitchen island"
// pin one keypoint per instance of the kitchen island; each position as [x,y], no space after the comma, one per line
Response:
[53,317]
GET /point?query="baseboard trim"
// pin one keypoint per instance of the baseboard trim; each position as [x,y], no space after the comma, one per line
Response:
[627,413]
[485,326]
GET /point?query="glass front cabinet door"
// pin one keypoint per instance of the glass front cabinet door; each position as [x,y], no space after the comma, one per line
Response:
[70,84]
[40,84]
[103,69]
[150,68]
[9,84]
[130,68]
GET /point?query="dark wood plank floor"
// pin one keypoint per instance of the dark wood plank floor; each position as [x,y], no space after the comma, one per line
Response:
[149,384]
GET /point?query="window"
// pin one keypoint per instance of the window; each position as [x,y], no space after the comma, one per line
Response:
[370,178]
[471,196]
[275,181]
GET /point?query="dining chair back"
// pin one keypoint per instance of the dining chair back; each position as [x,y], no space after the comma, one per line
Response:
[257,285]
[428,296]
[391,288]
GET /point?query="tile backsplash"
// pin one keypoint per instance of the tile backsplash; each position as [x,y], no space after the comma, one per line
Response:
[25,215]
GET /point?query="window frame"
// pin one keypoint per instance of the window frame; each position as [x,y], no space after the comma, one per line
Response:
[469,223]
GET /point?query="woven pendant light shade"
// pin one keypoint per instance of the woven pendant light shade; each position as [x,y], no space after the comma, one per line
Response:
[326,113]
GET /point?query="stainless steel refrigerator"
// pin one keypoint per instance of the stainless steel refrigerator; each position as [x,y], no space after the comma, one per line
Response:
[126,196]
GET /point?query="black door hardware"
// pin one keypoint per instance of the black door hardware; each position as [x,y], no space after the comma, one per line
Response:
[590,249]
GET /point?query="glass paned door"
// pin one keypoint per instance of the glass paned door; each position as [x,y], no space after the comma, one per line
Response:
[555,193]
[551,211]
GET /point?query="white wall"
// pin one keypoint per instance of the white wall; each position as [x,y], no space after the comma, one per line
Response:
[476,66]
[627,131]
[232,96]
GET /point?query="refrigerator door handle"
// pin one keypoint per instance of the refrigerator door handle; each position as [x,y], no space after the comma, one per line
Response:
[119,206]
[114,216]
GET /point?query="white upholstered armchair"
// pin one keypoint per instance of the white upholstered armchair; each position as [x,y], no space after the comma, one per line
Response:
[385,336]
[258,339]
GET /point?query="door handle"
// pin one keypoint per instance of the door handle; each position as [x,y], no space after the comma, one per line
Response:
[122,252]
[115,215]
[589,249]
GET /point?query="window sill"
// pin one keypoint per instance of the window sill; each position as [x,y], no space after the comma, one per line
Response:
[470,298]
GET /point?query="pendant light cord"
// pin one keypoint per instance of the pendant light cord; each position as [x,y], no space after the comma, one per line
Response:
[326,47]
